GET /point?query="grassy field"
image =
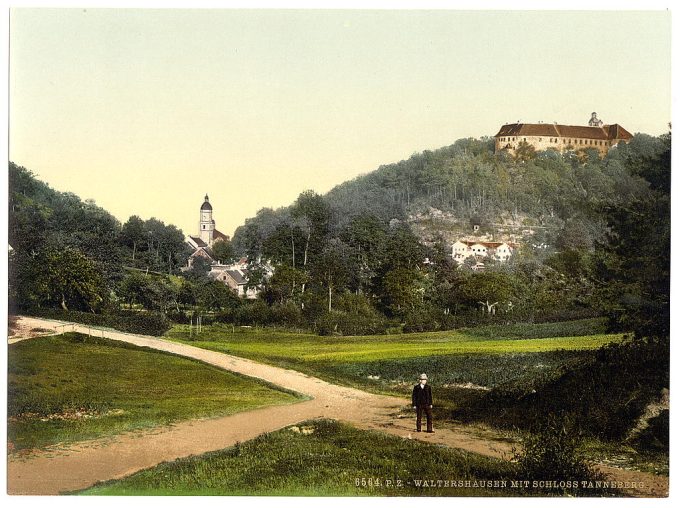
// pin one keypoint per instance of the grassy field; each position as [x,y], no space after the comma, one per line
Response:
[73,387]
[316,458]
[487,356]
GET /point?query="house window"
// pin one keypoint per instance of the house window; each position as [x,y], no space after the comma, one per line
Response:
[203,226]
[525,139]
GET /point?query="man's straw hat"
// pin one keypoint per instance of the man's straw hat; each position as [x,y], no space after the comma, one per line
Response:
[423,376]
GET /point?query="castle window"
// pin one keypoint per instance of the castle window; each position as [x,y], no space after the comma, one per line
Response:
[203,226]
[525,139]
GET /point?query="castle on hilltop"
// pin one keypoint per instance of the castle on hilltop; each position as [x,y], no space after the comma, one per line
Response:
[543,136]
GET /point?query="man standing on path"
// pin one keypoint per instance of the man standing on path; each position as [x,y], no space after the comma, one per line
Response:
[421,399]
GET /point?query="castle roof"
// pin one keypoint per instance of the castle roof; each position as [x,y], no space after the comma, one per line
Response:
[606,132]
[206,204]
[488,245]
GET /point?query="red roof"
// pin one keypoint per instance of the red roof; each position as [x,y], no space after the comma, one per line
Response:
[606,132]
[488,245]
[218,235]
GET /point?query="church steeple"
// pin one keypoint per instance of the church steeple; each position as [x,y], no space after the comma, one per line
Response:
[206,226]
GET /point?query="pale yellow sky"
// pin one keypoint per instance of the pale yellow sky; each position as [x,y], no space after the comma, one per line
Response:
[145,111]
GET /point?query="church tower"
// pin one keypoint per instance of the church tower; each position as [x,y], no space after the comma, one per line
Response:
[206,226]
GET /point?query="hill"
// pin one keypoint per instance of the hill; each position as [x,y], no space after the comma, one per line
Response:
[546,199]
[556,206]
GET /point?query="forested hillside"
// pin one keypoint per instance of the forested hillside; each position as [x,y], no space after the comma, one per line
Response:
[366,239]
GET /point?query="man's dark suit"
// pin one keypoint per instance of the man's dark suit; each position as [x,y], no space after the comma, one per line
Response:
[422,400]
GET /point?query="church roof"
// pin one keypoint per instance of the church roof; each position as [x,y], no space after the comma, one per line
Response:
[197,240]
[218,235]
[206,204]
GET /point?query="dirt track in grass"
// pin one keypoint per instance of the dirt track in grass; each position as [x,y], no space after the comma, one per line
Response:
[62,469]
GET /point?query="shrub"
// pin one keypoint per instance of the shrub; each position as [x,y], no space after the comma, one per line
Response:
[289,314]
[604,396]
[178,317]
[344,323]
[254,312]
[145,323]
[552,453]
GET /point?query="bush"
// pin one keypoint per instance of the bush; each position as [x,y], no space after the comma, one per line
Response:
[145,323]
[254,312]
[552,453]
[604,396]
[288,314]
[343,323]
[178,317]
[656,436]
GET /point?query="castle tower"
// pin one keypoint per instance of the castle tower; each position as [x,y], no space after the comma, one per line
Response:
[594,120]
[206,226]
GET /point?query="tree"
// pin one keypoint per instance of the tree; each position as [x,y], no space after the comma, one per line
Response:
[223,251]
[403,290]
[633,270]
[158,294]
[200,267]
[490,289]
[312,215]
[64,278]
[524,152]
[132,287]
[332,267]
[285,284]
[213,295]
[133,234]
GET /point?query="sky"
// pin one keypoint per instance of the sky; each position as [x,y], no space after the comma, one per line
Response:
[146,111]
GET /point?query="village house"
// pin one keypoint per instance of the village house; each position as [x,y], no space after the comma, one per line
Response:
[544,136]
[479,250]
[235,275]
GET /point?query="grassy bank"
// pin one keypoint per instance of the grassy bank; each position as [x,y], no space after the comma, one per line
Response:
[73,387]
[320,458]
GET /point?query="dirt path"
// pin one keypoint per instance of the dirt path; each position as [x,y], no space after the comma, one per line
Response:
[61,469]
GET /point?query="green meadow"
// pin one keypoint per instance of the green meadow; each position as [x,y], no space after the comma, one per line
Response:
[72,387]
[485,356]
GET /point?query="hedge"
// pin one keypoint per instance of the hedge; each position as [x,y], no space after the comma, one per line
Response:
[145,323]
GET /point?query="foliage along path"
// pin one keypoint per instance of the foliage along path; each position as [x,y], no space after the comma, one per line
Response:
[68,468]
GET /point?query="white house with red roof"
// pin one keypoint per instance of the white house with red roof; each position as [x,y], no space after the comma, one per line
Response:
[464,249]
